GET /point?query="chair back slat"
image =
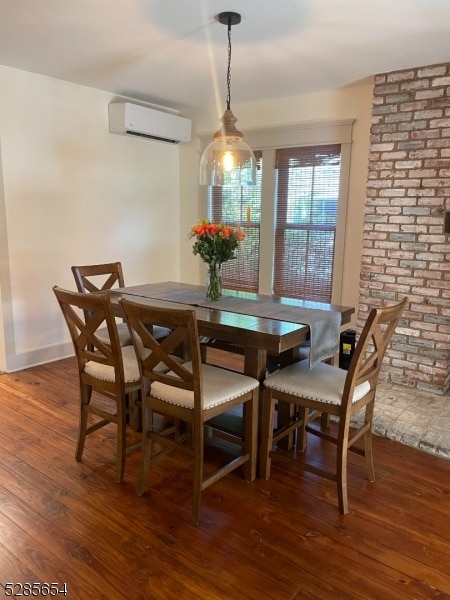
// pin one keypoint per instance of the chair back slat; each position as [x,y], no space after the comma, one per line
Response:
[368,357]
[98,278]
[182,340]
[85,314]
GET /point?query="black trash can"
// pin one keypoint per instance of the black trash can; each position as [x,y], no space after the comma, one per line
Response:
[346,348]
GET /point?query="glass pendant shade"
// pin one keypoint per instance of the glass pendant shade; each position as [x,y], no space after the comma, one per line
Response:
[228,160]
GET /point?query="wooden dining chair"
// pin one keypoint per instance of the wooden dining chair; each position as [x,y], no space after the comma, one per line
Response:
[191,394]
[104,369]
[328,390]
[102,277]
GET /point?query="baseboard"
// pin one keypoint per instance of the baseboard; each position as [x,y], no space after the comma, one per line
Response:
[39,356]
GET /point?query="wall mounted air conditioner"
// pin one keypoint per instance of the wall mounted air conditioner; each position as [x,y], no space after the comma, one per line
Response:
[132,119]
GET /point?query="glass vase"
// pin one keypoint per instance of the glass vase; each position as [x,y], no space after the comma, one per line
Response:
[214,282]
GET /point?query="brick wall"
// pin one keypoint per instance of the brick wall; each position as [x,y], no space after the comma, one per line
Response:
[406,249]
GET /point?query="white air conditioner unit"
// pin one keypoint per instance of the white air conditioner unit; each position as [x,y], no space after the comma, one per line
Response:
[132,119]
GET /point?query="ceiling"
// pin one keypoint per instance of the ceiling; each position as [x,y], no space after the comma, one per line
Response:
[173,53]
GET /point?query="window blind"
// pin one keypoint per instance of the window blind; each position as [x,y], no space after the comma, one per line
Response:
[307,194]
[240,207]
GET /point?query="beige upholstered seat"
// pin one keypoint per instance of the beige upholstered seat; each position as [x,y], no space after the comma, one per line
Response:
[191,394]
[98,278]
[104,368]
[327,390]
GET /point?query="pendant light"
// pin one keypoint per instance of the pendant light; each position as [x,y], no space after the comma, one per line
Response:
[228,160]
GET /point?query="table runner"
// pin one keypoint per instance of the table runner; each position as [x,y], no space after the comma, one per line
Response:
[324,325]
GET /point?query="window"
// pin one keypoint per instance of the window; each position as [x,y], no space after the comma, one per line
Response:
[240,207]
[294,218]
[307,196]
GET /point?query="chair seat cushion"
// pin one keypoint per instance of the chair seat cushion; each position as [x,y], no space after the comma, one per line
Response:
[323,383]
[106,372]
[219,386]
[122,330]
[160,332]
[124,334]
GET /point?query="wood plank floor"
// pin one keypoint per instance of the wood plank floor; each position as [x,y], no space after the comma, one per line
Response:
[282,539]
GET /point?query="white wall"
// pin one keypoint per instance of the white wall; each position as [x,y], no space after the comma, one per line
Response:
[349,103]
[73,193]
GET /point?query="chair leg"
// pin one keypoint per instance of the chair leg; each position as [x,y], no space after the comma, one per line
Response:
[368,451]
[324,420]
[85,396]
[325,417]
[147,424]
[203,353]
[369,456]
[121,446]
[266,435]
[251,435]
[134,418]
[198,440]
[341,468]
[301,431]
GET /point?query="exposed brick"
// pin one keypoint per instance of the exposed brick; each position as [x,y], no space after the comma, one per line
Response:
[405,252]
[429,153]
[432,71]
[401,97]
[427,114]
[401,220]
[413,126]
[398,117]
[440,102]
[384,110]
[430,94]
[416,85]
[439,81]
[402,75]
[407,183]
[412,145]
[416,210]
[423,173]
[425,134]
[400,155]
[412,106]
[394,137]
[385,89]
[436,162]
[439,123]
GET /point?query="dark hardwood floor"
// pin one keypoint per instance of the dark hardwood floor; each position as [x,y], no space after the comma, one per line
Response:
[282,539]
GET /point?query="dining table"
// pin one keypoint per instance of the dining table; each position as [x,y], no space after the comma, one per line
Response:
[261,326]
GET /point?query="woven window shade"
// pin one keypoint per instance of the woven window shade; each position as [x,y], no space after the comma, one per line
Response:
[240,207]
[305,225]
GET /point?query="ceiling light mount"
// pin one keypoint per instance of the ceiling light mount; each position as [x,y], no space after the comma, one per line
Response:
[229,18]
[228,160]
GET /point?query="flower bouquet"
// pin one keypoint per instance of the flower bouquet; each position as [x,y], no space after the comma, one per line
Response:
[215,244]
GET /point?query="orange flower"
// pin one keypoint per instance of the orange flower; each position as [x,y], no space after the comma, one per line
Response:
[198,230]
[215,243]
[227,231]
[212,229]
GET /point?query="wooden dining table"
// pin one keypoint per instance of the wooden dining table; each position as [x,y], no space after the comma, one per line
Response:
[237,320]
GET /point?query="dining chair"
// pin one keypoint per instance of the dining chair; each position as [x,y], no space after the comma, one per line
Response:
[105,369]
[326,389]
[191,394]
[102,277]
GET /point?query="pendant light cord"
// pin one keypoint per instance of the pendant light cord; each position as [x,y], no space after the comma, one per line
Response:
[229,66]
